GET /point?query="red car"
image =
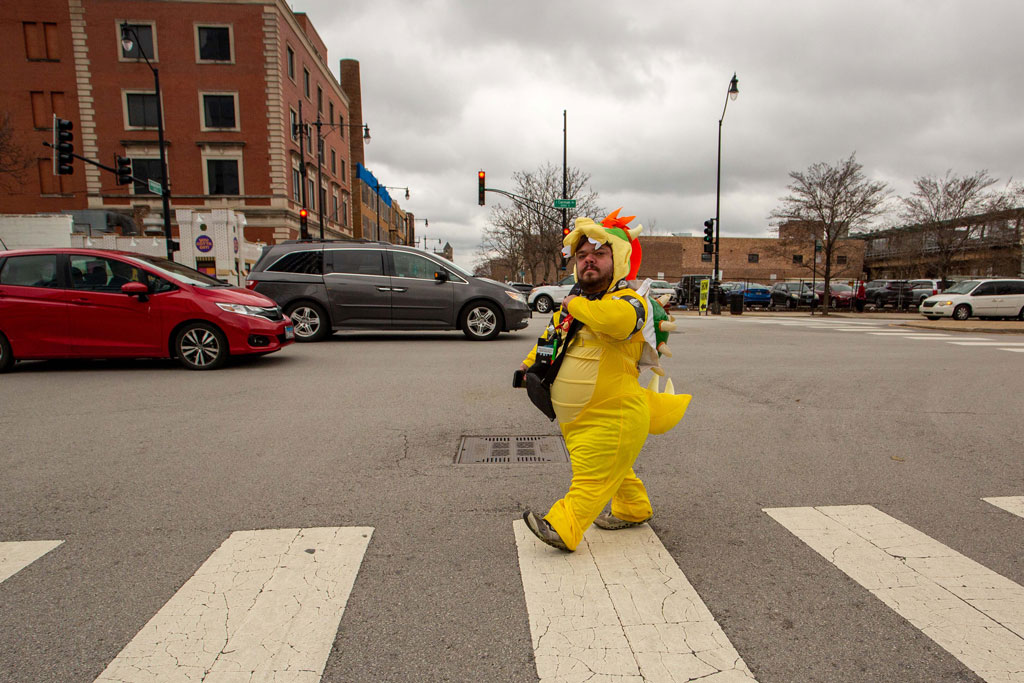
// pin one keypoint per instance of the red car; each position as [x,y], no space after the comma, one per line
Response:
[94,303]
[840,295]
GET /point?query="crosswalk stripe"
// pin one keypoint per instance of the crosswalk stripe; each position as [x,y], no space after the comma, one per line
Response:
[1017,350]
[936,337]
[986,343]
[619,606]
[1012,504]
[892,334]
[264,606]
[967,609]
[16,555]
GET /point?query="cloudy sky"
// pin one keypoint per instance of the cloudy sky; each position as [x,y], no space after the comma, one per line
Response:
[450,87]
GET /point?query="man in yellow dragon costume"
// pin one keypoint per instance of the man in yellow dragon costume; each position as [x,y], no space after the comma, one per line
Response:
[603,412]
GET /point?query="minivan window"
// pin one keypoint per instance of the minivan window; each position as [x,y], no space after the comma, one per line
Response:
[962,287]
[985,289]
[1010,287]
[35,270]
[356,261]
[411,265]
[305,262]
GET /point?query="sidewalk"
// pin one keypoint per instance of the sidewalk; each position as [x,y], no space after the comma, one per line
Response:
[896,319]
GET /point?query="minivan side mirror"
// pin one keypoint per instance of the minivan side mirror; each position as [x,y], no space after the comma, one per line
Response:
[441,275]
[138,289]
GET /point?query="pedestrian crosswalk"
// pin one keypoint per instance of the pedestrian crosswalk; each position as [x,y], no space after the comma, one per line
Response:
[882,329]
[268,605]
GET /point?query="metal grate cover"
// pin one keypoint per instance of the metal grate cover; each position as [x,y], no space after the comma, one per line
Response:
[486,450]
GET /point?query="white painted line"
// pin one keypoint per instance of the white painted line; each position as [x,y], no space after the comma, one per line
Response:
[16,555]
[619,606]
[1018,350]
[937,337]
[892,334]
[970,611]
[986,343]
[262,607]
[1012,504]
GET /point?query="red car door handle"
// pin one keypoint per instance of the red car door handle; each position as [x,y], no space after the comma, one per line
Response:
[80,301]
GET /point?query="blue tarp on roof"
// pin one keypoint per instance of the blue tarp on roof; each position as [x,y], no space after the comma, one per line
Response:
[371,182]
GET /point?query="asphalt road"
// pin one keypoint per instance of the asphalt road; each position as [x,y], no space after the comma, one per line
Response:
[144,469]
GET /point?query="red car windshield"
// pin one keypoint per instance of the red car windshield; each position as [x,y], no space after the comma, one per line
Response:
[176,271]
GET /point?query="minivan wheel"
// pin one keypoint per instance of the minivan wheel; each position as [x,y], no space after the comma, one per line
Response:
[1020,316]
[544,303]
[311,323]
[201,346]
[962,312]
[6,357]
[480,322]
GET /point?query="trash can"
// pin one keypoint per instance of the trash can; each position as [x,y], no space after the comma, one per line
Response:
[736,303]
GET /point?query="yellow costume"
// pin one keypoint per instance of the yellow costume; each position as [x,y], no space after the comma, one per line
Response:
[603,412]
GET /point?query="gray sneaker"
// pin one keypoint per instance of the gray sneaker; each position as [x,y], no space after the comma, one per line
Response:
[607,520]
[542,530]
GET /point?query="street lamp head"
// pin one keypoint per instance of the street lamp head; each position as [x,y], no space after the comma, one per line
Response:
[126,38]
[366,133]
[426,223]
[734,89]
[407,193]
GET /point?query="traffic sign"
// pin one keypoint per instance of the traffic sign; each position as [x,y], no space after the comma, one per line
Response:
[155,187]
[565,203]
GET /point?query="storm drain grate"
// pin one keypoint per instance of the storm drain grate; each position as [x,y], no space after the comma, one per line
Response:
[486,450]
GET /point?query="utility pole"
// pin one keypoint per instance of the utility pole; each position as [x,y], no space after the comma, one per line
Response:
[565,171]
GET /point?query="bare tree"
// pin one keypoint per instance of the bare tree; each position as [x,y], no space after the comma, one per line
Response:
[944,210]
[14,156]
[527,236]
[825,203]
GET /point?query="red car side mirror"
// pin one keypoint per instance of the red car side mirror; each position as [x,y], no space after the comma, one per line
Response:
[135,289]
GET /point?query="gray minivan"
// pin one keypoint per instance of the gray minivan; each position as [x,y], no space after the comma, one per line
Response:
[325,286]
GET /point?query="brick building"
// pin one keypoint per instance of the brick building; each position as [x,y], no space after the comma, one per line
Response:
[233,75]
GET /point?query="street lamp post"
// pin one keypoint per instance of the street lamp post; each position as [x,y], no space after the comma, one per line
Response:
[165,194]
[732,93]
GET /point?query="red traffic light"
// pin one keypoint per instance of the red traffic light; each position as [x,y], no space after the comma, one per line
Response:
[482,176]
[303,213]
[566,231]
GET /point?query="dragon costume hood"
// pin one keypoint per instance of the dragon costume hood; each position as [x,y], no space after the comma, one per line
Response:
[615,232]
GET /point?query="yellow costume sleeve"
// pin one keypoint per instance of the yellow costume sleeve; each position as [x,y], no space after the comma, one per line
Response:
[614,316]
[531,358]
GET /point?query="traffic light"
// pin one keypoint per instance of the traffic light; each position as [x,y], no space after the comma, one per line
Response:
[63,150]
[566,230]
[124,170]
[709,236]
[483,177]
[303,223]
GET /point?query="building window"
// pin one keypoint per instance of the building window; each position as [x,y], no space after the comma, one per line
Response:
[840,259]
[334,208]
[141,109]
[214,43]
[290,59]
[305,81]
[222,176]
[798,258]
[344,212]
[343,170]
[219,111]
[705,257]
[143,37]
[311,194]
[752,258]
[330,109]
[293,124]
[319,99]
[309,144]
[296,185]
[334,161]
[44,106]
[341,126]
[41,42]
[144,170]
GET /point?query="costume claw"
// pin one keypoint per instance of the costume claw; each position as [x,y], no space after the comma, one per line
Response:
[666,326]
[655,384]
[671,317]
[669,387]
[664,350]
[658,371]
[664,299]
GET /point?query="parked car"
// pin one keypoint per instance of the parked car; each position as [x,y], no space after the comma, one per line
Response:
[660,287]
[333,285]
[1002,298]
[756,295]
[839,294]
[545,298]
[688,290]
[93,303]
[792,295]
[895,293]
[922,289]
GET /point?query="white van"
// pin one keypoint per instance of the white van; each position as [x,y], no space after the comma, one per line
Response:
[1002,298]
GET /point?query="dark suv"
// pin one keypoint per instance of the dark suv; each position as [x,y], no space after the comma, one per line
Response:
[327,286]
[895,293]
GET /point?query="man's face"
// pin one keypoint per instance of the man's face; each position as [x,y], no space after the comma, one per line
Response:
[594,266]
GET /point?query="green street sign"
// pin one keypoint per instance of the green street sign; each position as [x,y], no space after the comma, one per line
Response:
[565,203]
[155,187]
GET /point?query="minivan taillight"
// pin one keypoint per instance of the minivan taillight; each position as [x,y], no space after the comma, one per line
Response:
[250,284]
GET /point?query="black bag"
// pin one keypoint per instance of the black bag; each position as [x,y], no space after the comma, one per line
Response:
[539,376]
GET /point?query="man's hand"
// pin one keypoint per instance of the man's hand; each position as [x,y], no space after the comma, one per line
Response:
[565,302]
[522,367]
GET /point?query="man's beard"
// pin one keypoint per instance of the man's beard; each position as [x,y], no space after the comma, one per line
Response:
[597,286]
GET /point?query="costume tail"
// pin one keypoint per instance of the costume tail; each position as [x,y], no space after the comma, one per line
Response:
[666,408]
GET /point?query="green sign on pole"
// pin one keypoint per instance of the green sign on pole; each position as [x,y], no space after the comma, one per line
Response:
[155,187]
[565,203]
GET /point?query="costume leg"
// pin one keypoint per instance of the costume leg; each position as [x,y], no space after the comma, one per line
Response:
[630,503]
[603,444]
